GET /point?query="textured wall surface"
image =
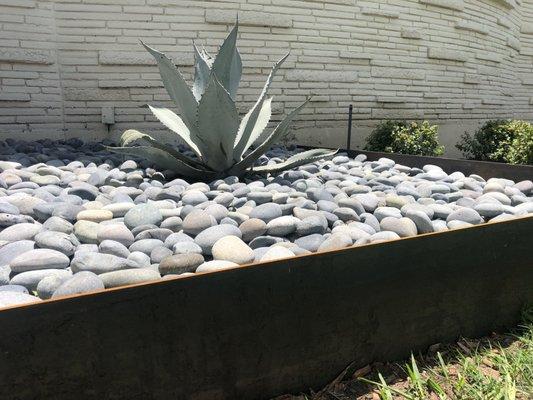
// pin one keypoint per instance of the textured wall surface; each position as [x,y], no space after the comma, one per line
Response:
[68,66]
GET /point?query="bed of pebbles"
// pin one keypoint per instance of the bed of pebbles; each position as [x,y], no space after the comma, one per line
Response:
[75,218]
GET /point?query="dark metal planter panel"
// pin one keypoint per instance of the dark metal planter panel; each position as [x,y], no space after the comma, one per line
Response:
[262,330]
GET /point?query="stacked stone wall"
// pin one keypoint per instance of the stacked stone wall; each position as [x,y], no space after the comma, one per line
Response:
[75,68]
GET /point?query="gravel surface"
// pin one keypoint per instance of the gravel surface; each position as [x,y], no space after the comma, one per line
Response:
[75,218]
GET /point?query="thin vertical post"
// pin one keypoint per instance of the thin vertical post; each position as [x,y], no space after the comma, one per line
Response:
[349,139]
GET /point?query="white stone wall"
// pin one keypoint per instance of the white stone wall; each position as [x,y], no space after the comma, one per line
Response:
[68,65]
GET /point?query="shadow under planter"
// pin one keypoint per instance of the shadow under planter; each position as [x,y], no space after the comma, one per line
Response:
[257,331]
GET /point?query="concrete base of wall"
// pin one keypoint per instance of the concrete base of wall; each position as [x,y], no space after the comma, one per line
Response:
[449,133]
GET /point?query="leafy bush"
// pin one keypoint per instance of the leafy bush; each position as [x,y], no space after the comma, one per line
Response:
[509,141]
[485,142]
[381,136]
[406,138]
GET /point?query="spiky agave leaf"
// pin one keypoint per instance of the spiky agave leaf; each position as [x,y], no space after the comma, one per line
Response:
[177,88]
[280,131]
[164,160]
[259,126]
[228,64]
[202,71]
[175,124]
[207,57]
[259,115]
[296,160]
[218,121]
[135,138]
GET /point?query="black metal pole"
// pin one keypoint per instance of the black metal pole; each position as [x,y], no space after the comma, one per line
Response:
[349,139]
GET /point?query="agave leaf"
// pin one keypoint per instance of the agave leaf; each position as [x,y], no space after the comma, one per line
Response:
[218,121]
[176,87]
[133,137]
[248,133]
[305,157]
[261,122]
[175,124]
[209,59]
[276,134]
[164,160]
[202,70]
[228,64]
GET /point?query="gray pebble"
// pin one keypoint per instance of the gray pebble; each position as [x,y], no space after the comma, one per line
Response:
[197,221]
[59,241]
[48,285]
[138,259]
[39,259]
[8,299]
[145,245]
[129,277]
[86,232]
[97,262]
[421,220]
[384,236]
[465,215]
[114,248]
[30,279]
[160,253]
[180,263]
[58,224]
[216,265]
[143,214]
[82,282]
[266,212]
[383,212]
[208,237]
[335,242]
[276,253]
[282,226]
[23,231]
[404,227]
[232,248]
[13,288]
[310,242]
[115,232]
[14,249]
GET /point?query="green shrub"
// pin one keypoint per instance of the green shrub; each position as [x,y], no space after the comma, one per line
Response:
[519,150]
[381,136]
[485,142]
[509,141]
[406,138]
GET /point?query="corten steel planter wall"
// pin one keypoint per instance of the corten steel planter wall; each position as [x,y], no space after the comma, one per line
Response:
[266,329]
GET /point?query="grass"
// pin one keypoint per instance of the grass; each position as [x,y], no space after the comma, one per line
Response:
[499,367]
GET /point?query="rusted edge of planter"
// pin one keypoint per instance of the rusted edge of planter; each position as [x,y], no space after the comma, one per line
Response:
[265,329]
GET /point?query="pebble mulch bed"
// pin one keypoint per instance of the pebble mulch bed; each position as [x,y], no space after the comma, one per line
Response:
[75,218]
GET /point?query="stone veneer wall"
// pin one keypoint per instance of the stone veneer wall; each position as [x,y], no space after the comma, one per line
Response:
[68,66]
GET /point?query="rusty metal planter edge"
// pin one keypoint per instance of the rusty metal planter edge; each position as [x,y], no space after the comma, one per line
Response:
[260,330]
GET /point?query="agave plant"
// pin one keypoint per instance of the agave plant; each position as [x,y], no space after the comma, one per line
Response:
[207,120]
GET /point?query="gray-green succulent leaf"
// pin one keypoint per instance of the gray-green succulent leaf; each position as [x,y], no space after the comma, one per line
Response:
[250,130]
[218,121]
[207,119]
[296,160]
[175,124]
[164,160]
